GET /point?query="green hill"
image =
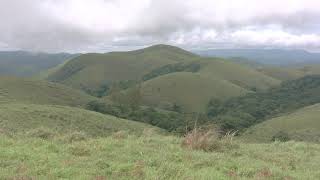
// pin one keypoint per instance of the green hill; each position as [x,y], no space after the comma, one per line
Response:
[40,92]
[302,125]
[91,71]
[183,78]
[25,117]
[191,91]
[215,79]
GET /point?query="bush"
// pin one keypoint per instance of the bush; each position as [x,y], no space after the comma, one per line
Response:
[281,136]
[209,140]
[199,139]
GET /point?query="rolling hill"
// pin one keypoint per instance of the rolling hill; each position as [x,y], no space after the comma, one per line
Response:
[301,125]
[25,64]
[162,66]
[40,92]
[91,71]
[18,118]
[215,79]
[190,91]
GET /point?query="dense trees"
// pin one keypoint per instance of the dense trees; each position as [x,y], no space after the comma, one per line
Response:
[242,112]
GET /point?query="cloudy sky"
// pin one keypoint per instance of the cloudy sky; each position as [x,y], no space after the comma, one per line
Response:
[105,25]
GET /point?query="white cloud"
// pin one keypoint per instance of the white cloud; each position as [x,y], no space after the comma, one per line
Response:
[83,25]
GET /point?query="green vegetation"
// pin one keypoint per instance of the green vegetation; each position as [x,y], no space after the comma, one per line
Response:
[40,92]
[18,118]
[242,112]
[152,67]
[171,68]
[151,156]
[161,113]
[171,121]
[91,71]
[301,125]
[27,64]
[190,91]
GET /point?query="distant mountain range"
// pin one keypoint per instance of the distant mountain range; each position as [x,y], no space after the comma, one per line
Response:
[278,57]
[21,63]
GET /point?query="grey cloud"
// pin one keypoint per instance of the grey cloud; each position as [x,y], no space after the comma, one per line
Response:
[29,25]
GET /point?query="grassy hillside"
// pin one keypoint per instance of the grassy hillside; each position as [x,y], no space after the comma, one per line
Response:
[240,75]
[40,92]
[303,125]
[18,118]
[214,79]
[190,91]
[153,157]
[20,63]
[90,71]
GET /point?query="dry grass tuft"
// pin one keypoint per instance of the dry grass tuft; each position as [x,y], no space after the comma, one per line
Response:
[208,140]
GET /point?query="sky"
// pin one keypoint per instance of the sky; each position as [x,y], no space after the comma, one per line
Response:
[111,25]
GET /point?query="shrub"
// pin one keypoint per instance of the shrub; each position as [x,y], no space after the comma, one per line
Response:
[198,139]
[281,136]
[209,140]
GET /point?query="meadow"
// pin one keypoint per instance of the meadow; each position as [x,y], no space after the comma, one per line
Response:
[151,156]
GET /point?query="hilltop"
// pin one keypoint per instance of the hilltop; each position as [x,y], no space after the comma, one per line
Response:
[91,71]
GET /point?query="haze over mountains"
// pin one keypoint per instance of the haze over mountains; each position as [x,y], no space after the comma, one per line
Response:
[21,63]
[276,57]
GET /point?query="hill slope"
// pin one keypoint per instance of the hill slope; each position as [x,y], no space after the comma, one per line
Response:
[26,117]
[303,124]
[215,79]
[40,92]
[190,91]
[90,71]
[20,63]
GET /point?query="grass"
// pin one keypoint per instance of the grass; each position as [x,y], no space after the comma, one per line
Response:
[40,92]
[152,156]
[191,91]
[301,125]
[46,120]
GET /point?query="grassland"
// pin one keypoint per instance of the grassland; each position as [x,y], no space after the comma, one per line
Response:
[151,156]
[40,92]
[191,91]
[20,118]
[302,125]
